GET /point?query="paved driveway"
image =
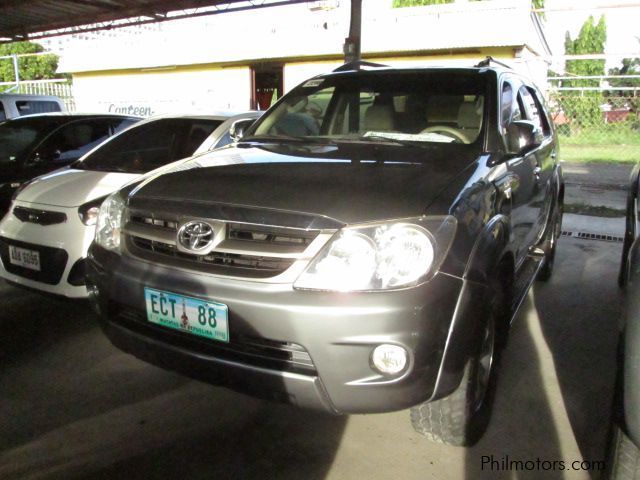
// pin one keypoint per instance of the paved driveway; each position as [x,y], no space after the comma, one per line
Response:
[72,406]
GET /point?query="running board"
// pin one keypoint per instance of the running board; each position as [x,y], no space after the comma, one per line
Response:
[527,274]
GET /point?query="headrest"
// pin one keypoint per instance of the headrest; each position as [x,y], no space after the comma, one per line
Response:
[443,108]
[379,118]
[468,116]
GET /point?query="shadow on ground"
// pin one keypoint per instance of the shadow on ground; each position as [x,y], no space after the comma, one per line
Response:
[75,407]
[558,371]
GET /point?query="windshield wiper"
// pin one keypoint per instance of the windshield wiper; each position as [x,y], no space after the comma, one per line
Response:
[289,138]
[392,139]
[273,138]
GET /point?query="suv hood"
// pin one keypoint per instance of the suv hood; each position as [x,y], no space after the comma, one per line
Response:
[349,183]
[71,188]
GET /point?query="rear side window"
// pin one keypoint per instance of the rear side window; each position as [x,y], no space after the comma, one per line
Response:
[30,107]
[73,140]
[195,133]
[511,108]
[150,146]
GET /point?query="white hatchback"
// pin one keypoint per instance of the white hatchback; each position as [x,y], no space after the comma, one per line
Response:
[45,236]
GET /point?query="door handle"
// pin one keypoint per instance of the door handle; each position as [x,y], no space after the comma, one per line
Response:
[537,170]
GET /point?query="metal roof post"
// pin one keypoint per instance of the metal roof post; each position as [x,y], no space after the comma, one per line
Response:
[16,72]
[352,43]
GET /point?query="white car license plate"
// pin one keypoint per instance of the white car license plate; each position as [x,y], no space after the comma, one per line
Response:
[24,258]
[198,317]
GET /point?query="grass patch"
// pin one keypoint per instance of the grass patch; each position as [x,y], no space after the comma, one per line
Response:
[611,153]
[609,143]
[593,210]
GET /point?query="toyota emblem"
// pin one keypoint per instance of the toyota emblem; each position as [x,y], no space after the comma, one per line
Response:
[196,236]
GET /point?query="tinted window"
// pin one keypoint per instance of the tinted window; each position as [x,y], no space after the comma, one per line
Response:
[16,140]
[536,110]
[19,137]
[436,107]
[195,133]
[73,140]
[30,107]
[118,125]
[150,146]
[509,106]
[3,115]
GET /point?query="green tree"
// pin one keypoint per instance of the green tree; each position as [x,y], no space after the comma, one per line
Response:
[584,107]
[591,39]
[630,66]
[37,67]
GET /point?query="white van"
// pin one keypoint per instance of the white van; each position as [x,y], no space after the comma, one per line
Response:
[12,106]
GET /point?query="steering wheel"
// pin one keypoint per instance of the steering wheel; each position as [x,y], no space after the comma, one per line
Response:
[449,131]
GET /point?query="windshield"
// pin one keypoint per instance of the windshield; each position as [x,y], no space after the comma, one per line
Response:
[445,107]
[148,146]
[18,138]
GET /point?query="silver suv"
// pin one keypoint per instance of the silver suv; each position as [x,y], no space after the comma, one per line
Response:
[362,248]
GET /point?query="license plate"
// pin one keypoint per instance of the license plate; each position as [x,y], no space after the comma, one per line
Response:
[187,314]
[24,258]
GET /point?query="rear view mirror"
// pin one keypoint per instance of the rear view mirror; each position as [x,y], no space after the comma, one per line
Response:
[236,132]
[522,136]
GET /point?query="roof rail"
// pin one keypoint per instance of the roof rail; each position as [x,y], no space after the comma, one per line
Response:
[358,65]
[489,60]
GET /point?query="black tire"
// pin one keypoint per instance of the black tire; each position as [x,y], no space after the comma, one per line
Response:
[462,417]
[550,244]
[625,458]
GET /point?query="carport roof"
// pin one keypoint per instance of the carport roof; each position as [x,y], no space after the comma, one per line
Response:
[33,19]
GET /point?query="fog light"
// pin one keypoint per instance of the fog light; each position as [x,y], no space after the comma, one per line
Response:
[389,359]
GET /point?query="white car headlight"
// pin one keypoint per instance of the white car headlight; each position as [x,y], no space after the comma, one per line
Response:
[380,256]
[109,223]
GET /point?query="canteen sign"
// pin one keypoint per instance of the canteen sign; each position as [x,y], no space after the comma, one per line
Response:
[136,110]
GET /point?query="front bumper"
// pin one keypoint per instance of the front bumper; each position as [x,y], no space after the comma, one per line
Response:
[62,248]
[339,331]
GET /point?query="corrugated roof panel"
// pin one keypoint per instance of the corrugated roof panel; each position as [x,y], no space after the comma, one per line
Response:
[21,18]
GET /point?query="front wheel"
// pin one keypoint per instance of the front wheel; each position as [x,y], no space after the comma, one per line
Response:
[462,417]
[624,463]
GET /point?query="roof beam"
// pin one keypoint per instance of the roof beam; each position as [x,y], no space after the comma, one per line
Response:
[52,18]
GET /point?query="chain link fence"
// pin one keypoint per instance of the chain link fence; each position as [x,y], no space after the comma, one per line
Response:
[597,125]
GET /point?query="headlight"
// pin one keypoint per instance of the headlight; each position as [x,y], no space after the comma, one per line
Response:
[109,222]
[88,212]
[380,256]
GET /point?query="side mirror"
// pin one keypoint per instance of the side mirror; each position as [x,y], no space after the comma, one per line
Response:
[522,136]
[45,156]
[236,132]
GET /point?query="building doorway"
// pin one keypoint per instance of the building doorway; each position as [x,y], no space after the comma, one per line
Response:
[267,85]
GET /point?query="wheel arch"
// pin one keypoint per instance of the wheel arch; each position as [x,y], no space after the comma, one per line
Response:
[490,256]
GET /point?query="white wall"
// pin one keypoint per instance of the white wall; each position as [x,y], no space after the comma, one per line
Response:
[164,91]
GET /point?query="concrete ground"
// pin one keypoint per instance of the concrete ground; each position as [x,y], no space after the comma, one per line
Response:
[72,406]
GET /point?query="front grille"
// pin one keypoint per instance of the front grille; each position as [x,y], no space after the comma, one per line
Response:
[262,235]
[215,262]
[52,262]
[243,249]
[246,349]
[41,217]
